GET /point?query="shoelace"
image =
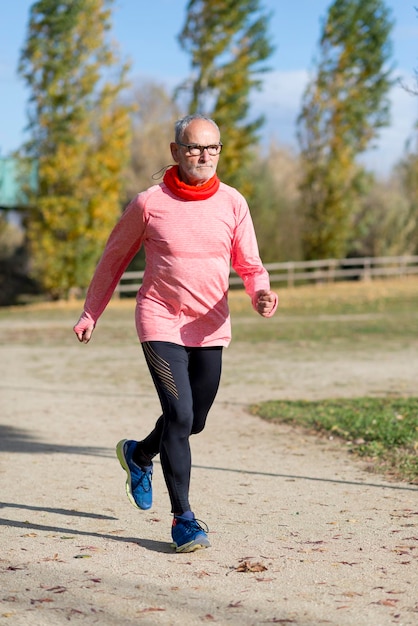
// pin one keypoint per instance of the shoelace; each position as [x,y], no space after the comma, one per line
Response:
[144,481]
[196,525]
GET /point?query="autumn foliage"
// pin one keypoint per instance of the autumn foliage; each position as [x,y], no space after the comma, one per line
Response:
[79,137]
[344,106]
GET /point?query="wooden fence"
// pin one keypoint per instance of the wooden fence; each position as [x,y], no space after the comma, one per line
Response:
[328,270]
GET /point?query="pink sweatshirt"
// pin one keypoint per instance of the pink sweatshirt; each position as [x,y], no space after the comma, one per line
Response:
[189,246]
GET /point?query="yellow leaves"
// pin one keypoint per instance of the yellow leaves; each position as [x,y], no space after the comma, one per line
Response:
[343,107]
[82,134]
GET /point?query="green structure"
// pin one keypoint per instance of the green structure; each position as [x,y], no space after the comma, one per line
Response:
[11,194]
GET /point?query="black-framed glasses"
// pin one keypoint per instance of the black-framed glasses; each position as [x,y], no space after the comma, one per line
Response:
[195,150]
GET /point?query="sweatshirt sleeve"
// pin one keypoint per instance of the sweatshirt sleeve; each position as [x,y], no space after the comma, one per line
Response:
[124,242]
[245,258]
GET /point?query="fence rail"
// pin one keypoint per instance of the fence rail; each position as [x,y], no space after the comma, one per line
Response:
[327,270]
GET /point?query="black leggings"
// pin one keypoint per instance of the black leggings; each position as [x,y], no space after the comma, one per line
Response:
[186,380]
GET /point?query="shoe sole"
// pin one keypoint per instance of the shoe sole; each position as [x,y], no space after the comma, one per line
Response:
[192,546]
[128,486]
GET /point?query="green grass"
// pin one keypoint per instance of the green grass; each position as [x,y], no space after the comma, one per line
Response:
[384,430]
[343,312]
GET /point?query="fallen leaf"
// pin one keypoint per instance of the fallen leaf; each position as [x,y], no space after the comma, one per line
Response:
[82,556]
[53,558]
[40,600]
[388,602]
[278,620]
[246,566]
[76,612]
[58,589]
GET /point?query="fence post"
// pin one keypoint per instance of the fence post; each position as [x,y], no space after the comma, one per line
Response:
[367,274]
[290,274]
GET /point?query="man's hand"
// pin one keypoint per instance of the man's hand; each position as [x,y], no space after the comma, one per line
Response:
[84,328]
[266,302]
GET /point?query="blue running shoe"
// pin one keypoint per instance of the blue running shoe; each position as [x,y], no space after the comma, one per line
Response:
[188,535]
[138,480]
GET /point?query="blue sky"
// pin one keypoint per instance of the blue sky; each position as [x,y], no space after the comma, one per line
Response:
[147,31]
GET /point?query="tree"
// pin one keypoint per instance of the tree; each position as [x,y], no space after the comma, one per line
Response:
[79,137]
[343,108]
[407,170]
[152,131]
[384,224]
[274,204]
[228,44]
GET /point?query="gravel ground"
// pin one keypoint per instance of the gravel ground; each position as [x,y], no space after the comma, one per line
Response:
[301,532]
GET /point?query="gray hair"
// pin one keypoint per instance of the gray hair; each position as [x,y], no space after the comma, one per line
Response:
[181,125]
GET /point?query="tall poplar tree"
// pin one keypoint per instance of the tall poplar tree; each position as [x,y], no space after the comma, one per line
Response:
[343,108]
[228,43]
[407,171]
[79,137]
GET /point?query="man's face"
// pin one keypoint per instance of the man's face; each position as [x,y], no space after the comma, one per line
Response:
[197,170]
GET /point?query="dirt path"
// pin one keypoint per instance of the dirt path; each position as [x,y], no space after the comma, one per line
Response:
[301,533]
